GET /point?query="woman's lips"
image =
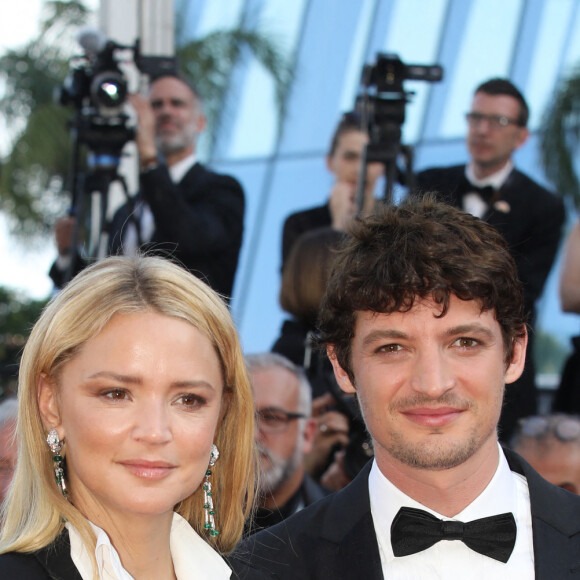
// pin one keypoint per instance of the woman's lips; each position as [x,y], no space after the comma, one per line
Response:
[144,469]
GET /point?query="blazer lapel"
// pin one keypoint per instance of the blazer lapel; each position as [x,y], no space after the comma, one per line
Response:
[57,560]
[349,524]
[555,524]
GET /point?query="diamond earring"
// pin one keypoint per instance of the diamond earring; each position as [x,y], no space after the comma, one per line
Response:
[208,494]
[55,445]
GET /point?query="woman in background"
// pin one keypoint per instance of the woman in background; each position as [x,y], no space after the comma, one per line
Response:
[132,386]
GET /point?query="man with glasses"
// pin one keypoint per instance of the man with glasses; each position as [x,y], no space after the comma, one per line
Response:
[284,434]
[528,216]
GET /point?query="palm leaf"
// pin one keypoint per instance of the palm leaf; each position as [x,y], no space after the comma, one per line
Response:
[560,137]
[211,59]
[32,177]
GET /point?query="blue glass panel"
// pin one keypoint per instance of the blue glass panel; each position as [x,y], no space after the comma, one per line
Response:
[484,50]
[572,58]
[219,15]
[414,34]
[320,76]
[545,60]
[357,55]
[298,184]
[255,126]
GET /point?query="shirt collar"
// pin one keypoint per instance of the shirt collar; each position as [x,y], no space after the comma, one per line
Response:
[386,499]
[496,180]
[178,170]
[193,558]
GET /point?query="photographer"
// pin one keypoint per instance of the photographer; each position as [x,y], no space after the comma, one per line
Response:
[183,210]
[344,162]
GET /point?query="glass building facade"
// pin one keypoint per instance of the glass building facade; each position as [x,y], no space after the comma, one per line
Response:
[281,162]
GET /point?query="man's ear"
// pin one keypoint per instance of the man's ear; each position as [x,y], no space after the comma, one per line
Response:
[201,123]
[523,137]
[329,163]
[516,365]
[48,404]
[341,375]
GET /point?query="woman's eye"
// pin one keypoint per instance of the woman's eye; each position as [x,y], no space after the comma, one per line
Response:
[191,401]
[116,394]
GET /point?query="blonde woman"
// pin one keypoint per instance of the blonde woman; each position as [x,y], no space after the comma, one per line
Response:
[135,426]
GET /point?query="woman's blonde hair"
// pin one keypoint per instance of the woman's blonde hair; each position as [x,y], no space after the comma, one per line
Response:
[35,510]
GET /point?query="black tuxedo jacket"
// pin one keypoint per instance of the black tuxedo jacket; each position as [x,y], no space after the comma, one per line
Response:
[300,222]
[335,537]
[52,562]
[528,216]
[198,223]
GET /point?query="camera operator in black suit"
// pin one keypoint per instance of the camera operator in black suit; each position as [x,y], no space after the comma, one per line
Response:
[183,210]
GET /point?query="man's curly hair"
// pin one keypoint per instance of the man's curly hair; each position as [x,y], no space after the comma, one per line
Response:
[420,249]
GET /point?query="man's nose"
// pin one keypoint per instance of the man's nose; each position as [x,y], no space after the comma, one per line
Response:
[432,374]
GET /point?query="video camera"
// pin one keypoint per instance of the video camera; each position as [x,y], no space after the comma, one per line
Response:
[98,89]
[382,109]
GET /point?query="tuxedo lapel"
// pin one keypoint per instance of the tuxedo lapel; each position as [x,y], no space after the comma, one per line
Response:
[349,524]
[555,524]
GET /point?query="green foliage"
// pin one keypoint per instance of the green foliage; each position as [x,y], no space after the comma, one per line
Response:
[560,137]
[32,177]
[549,353]
[211,59]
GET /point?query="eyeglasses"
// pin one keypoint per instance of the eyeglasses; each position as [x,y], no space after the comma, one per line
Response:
[563,427]
[494,121]
[272,420]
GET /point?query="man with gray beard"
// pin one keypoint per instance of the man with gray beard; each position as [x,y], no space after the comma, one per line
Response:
[284,434]
[183,210]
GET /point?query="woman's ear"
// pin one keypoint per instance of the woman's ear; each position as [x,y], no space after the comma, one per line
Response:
[46,391]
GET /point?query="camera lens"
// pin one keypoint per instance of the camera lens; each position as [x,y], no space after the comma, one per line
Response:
[108,91]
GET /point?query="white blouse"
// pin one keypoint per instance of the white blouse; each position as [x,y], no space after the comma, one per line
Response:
[193,558]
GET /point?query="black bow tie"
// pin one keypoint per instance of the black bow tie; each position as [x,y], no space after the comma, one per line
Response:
[487,193]
[415,530]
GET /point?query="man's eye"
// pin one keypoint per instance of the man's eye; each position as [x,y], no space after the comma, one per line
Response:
[390,348]
[466,342]
[272,418]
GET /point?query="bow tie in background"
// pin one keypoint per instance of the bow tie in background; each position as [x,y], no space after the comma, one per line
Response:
[488,193]
[414,530]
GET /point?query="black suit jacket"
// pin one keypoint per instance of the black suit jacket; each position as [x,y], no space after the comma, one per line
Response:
[335,538]
[300,222]
[198,223]
[52,562]
[532,225]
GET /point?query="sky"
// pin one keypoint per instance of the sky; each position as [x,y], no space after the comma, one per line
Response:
[24,269]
